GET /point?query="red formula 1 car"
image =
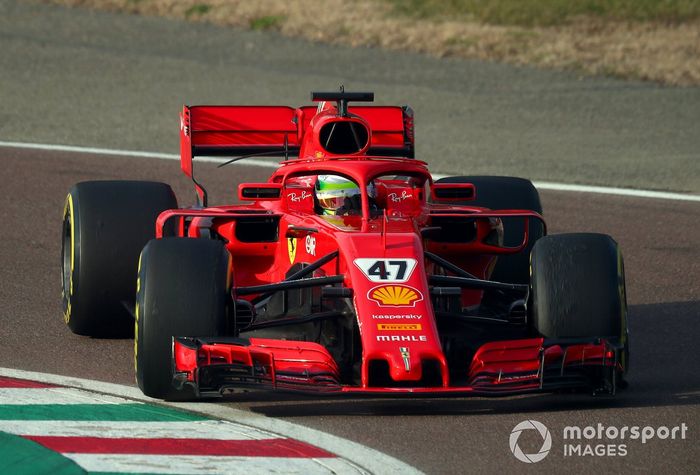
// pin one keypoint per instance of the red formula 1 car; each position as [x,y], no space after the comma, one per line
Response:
[349,271]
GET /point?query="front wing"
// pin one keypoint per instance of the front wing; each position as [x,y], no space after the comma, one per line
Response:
[215,366]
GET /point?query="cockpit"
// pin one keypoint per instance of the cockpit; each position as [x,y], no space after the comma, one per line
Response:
[333,194]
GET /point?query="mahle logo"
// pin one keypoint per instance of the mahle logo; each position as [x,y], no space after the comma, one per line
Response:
[546,441]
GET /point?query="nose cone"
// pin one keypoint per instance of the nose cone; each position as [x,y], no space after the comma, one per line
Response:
[408,365]
[400,341]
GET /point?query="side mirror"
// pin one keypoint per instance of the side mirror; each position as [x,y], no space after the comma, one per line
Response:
[299,231]
[453,192]
[259,191]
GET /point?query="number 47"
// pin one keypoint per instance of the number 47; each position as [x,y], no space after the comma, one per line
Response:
[388,270]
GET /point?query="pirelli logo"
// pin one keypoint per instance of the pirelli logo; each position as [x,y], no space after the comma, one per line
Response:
[399,326]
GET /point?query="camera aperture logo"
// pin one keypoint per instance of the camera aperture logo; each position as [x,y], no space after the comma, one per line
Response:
[546,441]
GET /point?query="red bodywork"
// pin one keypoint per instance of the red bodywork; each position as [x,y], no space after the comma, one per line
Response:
[394,309]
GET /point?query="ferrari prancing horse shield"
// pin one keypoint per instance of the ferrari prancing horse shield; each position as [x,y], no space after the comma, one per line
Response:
[292,249]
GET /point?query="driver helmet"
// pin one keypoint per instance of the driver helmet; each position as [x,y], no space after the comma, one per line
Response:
[337,195]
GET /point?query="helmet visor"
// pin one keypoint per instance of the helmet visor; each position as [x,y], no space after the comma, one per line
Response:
[332,203]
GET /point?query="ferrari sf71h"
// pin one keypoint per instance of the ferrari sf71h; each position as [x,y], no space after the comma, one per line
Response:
[351,270]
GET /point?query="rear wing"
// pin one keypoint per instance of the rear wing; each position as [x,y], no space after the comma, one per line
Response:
[278,131]
[237,130]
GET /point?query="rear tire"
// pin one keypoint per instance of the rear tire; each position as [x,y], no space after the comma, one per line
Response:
[183,290]
[105,226]
[578,288]
[504,192]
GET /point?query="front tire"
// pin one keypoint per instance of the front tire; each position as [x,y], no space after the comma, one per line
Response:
[105,226]
[578,288]
[183,290]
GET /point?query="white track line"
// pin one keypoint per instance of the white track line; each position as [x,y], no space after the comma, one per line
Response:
[207,429]
[63,396]
[604,190]
[542,185]
[369,459]
[131,153]
[203,465]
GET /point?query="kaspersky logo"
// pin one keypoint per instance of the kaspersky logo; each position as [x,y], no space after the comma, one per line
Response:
[395,295]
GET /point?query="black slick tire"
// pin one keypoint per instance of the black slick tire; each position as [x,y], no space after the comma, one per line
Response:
[105,226]
[578,288]
[183,290]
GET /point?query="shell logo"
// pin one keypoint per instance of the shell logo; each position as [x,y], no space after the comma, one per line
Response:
[395,295]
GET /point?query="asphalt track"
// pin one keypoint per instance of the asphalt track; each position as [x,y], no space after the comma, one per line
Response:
[97,79]
[659,239]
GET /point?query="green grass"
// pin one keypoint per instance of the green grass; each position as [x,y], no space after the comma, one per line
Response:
[197,9]
[268,22]
[550,12]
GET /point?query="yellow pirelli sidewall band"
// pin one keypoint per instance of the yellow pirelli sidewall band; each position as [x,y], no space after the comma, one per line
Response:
[68,209]
[136,315]
[623,305]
